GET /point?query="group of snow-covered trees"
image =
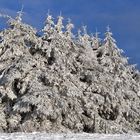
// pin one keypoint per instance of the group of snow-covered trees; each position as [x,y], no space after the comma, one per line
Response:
[59,81]
[52,29]
[56,34]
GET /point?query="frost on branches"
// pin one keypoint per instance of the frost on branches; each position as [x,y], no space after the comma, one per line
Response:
[61,82]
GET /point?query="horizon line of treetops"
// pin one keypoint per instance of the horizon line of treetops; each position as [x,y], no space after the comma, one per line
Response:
[51,29]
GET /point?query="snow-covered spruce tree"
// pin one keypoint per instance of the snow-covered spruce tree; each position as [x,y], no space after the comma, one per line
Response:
[79,37]
[59,26]
[49,26]
[110,55]
[110,44]
[17,25]
[64,85]
[95,41]
[85,38]
[69,28]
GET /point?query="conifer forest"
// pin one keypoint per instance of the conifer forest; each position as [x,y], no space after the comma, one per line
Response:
[57,81]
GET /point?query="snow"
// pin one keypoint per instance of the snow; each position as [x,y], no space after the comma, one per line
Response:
[70,136]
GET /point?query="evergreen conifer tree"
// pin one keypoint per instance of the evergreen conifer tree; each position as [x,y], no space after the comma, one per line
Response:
[69,28]
[111,53]
[95,40]
[59,26]
[86,41]
[49,26]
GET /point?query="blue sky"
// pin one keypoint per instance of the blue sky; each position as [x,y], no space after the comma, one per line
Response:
[123,16]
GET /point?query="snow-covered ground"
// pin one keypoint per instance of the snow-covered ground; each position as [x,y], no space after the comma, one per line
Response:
[45,136]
